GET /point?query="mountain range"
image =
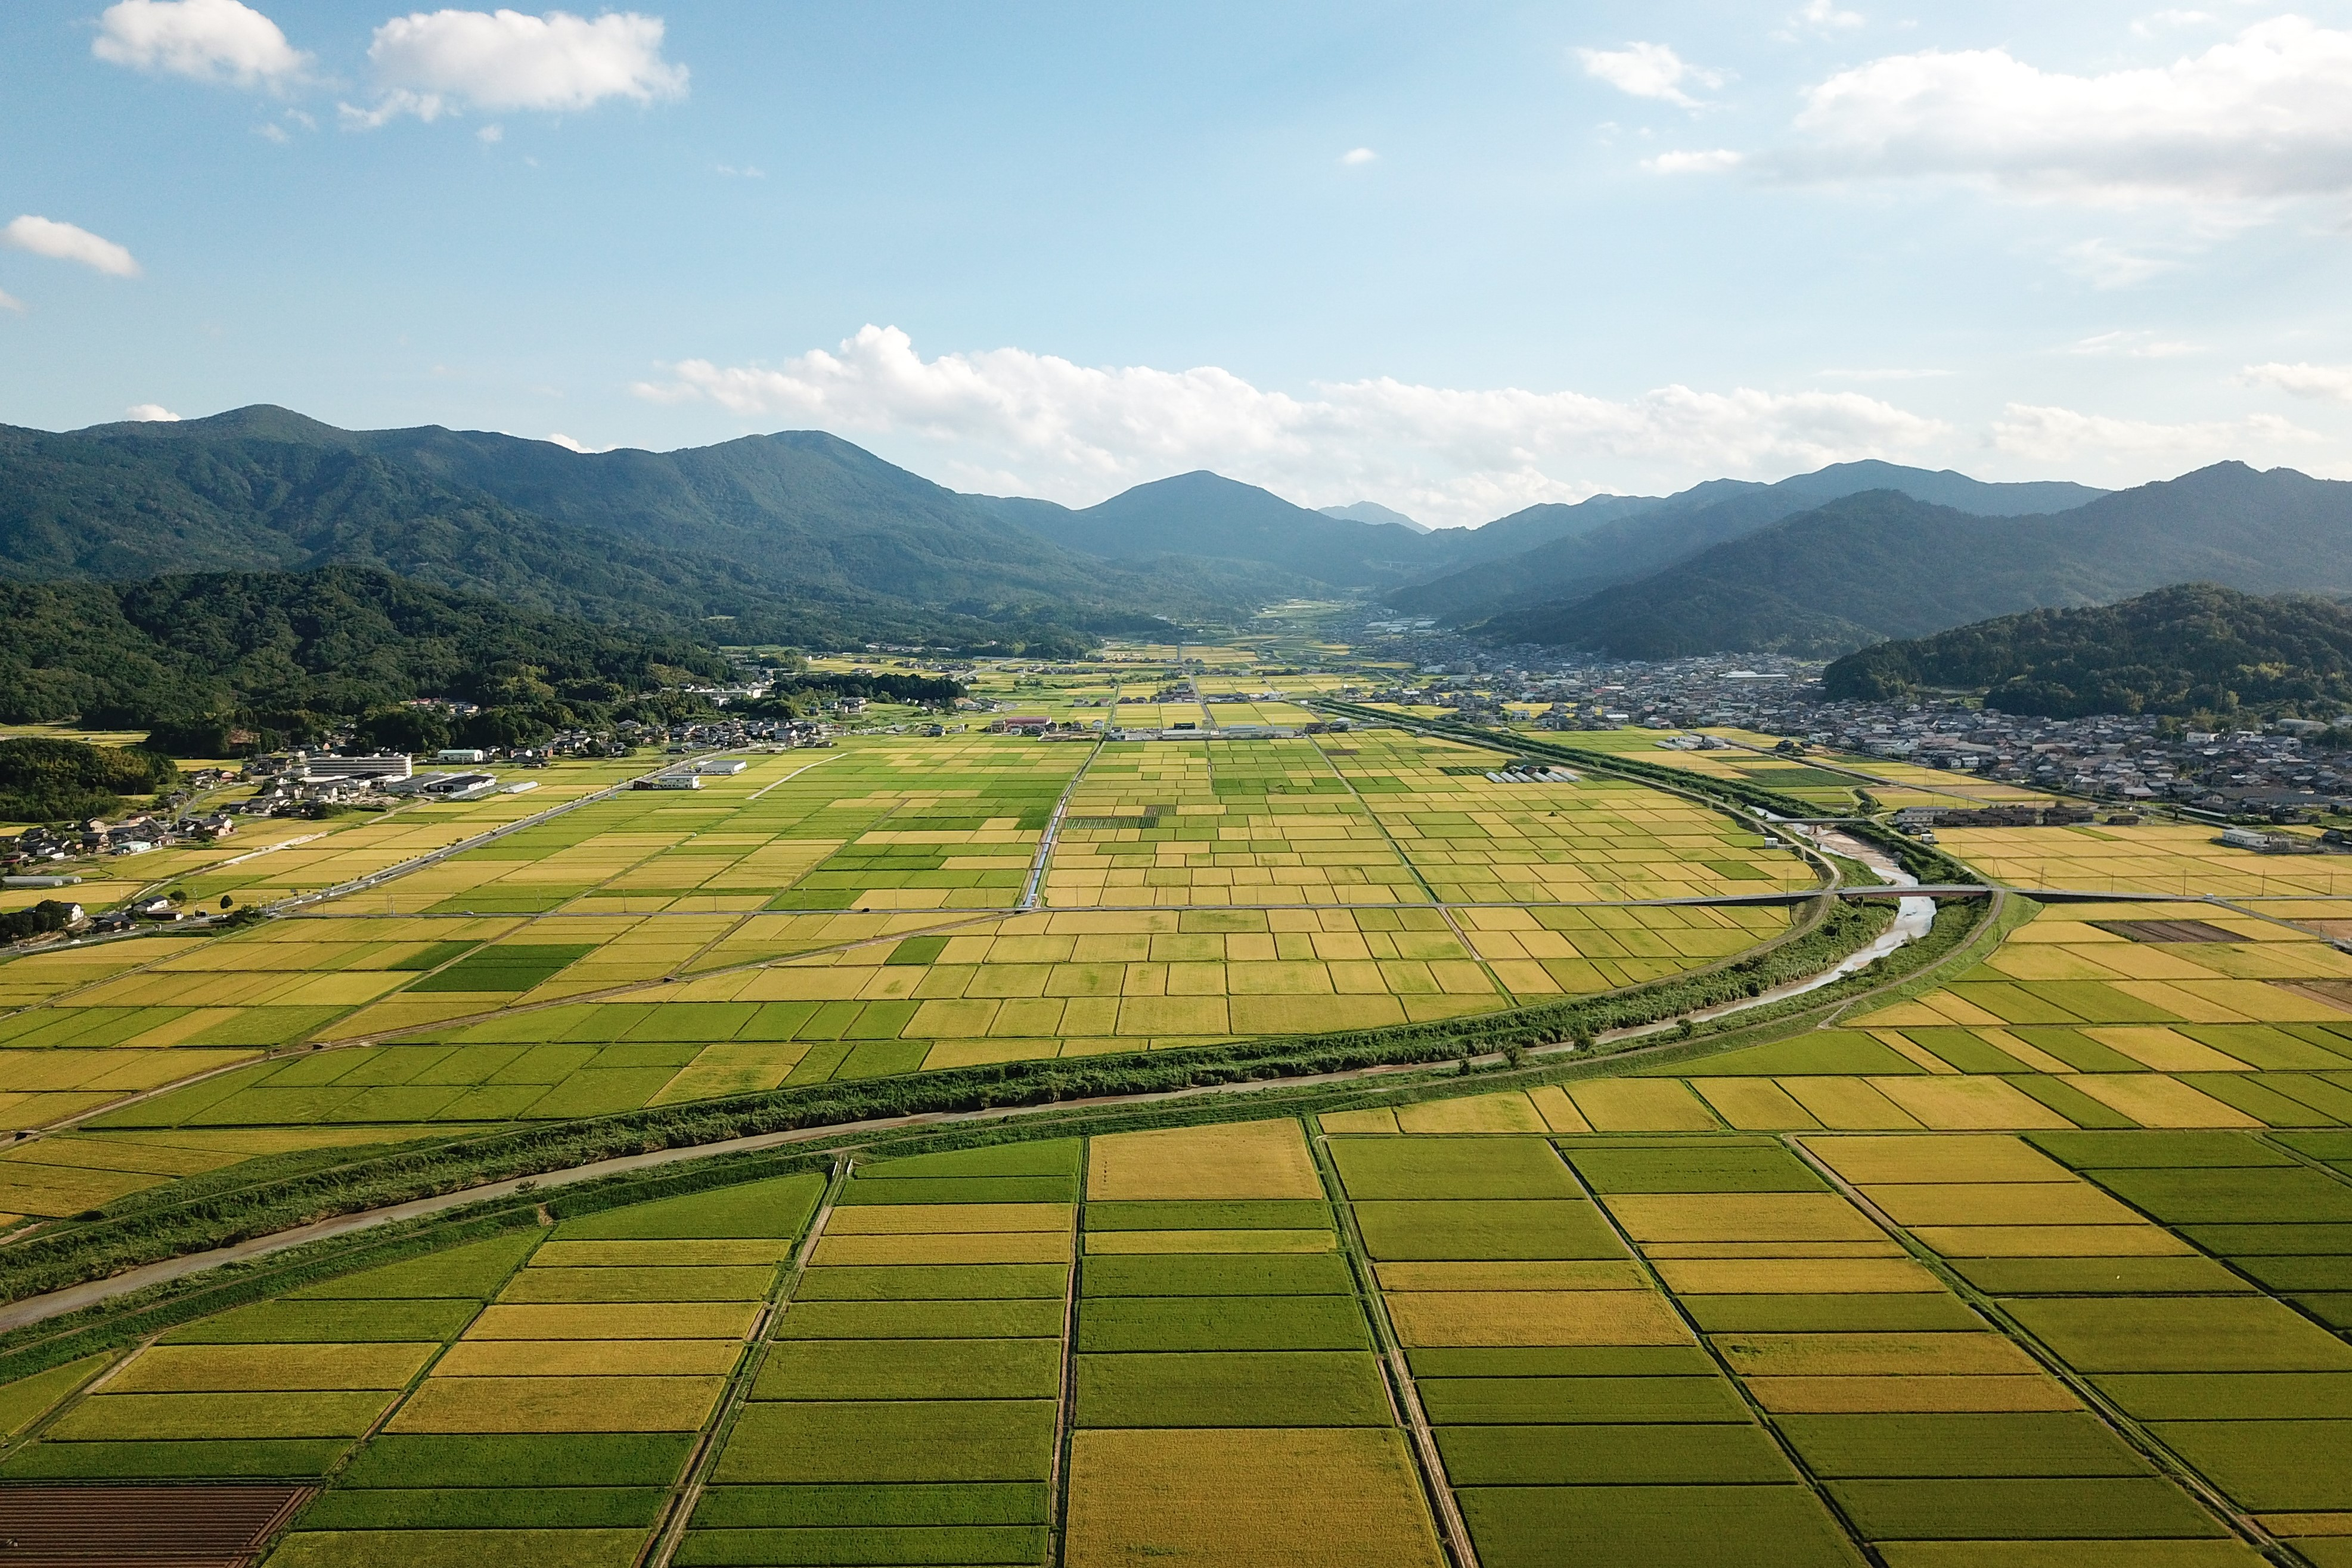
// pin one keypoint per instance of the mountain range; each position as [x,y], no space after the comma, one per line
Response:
[803,538]
[1569,551]
[798,537]
[1882,564]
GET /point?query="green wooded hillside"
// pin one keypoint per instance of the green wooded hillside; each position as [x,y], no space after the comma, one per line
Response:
[48,778]
[797,539]
[2193,649]
[340,641]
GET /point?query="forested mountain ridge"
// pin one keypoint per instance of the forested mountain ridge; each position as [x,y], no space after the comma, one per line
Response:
[801,537]
[1206,514]
[798,538]
[2194,648]
[1882,565]
[338,641]
[1568,552]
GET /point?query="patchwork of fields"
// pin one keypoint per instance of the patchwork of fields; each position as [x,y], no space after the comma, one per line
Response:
[2046,1262]
[1833,784]
[892,906]
[1487,1320]
[2179,858]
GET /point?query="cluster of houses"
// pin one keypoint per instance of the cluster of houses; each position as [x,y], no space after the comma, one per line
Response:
[2277,772]
[132,836]
[2268,773]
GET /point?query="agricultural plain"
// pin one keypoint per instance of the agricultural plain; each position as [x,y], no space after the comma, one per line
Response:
[2041,1256]
[892,906]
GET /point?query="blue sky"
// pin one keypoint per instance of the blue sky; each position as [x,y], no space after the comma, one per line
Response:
[1454,258]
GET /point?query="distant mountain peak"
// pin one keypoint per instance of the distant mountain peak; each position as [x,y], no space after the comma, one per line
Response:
[1373,512]
[1198,481]
[255,422]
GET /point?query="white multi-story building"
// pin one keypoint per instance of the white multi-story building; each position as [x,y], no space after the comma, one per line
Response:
[379,767]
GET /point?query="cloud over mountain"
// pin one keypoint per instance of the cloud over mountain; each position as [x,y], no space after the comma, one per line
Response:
[1011,417]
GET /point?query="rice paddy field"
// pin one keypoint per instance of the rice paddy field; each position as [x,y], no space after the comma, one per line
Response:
[1830,790]
[2046,1262]
[272,859]
[1832,781]
[1611,1320]
[893,905]
[2154,857]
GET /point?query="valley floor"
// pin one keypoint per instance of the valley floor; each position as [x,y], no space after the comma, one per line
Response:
[2042,1258]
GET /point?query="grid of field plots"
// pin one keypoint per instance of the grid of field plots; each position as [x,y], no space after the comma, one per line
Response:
[275,858]
[907,1407]
[1830,792]
[268,859]
[594,1369]
[532,1398]
[1857,1296]
[1950,1347]
[280,1389]
[1228,1402]
[1263,707]
[2177,857]
[1582,1323]
[1234,822]
[1031,986]
[848,913]
[1473,841]
[901,824]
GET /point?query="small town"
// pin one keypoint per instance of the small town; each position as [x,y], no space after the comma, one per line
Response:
[2287,771]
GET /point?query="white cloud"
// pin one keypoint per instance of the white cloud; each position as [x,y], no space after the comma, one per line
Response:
[491,134]
[569,444]
[1359,155]
[268,132]
[2267,115]
[151,413]
[1010,419]
[2062,436]
[2332,383]
[1714,162]
[64,242]
[743,171]
[445,62]
[11,303]
[2139,345]
[1648,71]
[210,40]
[1822,15]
